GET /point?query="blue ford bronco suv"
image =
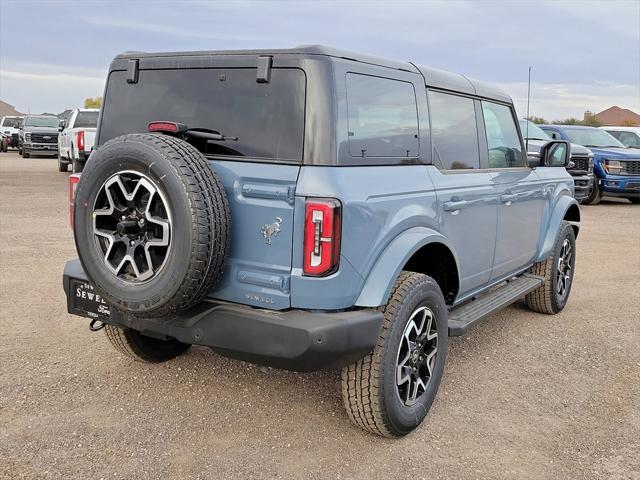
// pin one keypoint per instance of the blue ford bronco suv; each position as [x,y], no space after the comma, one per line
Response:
[313,208]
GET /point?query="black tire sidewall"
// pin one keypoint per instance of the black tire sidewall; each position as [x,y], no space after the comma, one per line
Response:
[402,418]
[118,156]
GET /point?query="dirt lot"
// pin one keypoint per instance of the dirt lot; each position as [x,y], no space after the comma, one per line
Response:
[524,395]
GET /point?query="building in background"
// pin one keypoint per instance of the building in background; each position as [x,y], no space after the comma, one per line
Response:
[7,110]
[615,116]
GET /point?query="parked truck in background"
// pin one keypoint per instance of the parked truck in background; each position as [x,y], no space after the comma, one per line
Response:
[9,132]
[76,137]
[38,135]
[580,167]
[616,167]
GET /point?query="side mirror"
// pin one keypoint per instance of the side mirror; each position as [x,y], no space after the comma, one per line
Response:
[556,153]
[533,160]
[61,125]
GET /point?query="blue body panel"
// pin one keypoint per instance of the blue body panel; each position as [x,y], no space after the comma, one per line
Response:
[259,194]
[612,184]
[388,214]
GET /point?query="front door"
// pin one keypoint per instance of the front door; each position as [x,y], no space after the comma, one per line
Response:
[521,196]
[467,198]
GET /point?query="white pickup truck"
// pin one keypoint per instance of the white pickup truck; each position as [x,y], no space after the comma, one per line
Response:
[76,137]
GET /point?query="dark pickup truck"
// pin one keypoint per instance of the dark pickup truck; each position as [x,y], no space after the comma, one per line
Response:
[580,167]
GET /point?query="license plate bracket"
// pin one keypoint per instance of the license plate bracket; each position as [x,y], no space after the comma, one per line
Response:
[86,302]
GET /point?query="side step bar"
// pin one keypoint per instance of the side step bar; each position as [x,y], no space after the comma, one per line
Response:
[466,315]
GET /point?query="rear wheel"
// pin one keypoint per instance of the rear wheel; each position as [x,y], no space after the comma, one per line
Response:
[5,146]
[634,200]
[557,271]
[62,166]
[77,166]
[142,348]
[390,391]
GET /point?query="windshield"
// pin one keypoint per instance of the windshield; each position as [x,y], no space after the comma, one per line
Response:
[86,119]
[267,119]
[534,133]
[627,138]
[42,122]
[11,122]
[592,137]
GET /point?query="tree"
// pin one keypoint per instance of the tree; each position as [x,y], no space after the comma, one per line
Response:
[591,121]
[537,120]
[93,102]
[569,121]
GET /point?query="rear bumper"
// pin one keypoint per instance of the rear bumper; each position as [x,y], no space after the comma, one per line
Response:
[294,340]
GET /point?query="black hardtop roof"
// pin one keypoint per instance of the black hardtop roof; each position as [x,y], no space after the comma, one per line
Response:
[434,77]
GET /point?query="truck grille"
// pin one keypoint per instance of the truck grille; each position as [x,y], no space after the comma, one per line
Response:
[44,138]
[580,163]
[631,167]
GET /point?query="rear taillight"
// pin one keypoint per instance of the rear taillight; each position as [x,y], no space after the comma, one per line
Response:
[73,186]
[80,141]
[322,232]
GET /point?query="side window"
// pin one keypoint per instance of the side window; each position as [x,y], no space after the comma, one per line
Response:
[553,134]
[454,131]
[505,149]
[382,117]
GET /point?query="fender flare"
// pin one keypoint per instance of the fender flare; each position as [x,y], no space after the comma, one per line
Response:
[564,203]
[383,275]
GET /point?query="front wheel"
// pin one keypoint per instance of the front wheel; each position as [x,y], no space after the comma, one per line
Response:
[634,200]
[133,344]
[557,271]
[595,194]
[25,154]
[390,391]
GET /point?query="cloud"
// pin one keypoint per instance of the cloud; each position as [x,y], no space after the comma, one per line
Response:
[52,92]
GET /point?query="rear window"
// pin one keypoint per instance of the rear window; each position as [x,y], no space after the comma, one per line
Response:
[266,118]
[86,119]
[382,116]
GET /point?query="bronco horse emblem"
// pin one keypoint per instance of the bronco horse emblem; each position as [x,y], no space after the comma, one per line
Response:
[270,230]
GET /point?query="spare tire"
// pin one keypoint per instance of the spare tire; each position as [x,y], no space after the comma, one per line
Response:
[151,224]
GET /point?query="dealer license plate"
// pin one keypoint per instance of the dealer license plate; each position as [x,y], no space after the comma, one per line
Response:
[83,300]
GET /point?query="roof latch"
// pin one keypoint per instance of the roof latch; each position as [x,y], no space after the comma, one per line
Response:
[264,69]
[132,71]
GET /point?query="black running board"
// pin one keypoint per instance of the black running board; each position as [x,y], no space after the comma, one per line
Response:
[469,313]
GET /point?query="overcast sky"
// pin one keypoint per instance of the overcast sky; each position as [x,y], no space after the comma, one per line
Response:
[585,54]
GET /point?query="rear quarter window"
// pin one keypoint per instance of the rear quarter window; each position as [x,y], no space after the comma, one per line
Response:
[266,118]
[382,117]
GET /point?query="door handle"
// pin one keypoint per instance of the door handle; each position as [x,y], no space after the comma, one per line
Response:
[454,207]
[507,198]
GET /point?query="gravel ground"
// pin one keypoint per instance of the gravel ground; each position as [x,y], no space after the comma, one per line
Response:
[524,395]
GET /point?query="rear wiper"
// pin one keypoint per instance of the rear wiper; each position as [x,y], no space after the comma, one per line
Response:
[184,131]
[207,134]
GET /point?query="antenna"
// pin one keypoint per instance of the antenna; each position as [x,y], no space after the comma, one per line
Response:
[526,141]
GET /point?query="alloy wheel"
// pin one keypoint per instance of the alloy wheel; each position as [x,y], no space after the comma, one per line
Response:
[416,355]
[132,226]
[564,270]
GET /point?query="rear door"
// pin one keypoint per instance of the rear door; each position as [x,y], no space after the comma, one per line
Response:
[258,164]
[521,192]
[466,196]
